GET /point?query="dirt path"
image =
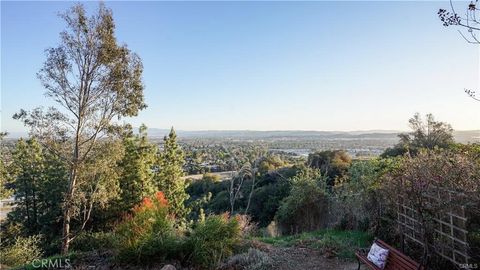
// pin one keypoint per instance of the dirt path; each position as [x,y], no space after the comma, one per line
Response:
[302,258]
[284,258]
[306,259]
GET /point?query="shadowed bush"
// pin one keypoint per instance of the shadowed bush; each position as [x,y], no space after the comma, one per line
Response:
[212,240]
[253,259]
[90,241]
[23,251]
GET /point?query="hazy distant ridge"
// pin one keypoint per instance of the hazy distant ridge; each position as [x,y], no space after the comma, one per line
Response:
[461,135]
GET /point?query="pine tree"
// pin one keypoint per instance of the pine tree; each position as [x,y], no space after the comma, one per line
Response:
[169,176]
[27,168]
[137,177]
[40,180]
[4,176]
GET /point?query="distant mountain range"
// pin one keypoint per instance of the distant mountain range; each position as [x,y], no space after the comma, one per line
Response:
[460,135]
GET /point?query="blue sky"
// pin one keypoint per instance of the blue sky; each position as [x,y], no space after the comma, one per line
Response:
[266,65]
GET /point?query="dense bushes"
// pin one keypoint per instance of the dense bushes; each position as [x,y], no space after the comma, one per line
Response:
[270,189]
[267,197]
[150,235]
[434,183]
[332,164]
[148,231]
[306,208]
[212,240]
[360,203]
[91,241]
[23,251]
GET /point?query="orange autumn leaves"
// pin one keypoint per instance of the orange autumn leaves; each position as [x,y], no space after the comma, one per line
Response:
[155,202]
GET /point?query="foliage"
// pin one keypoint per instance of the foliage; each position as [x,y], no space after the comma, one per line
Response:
[428,134]
[247,226]
[27,167]
[247,171]
[55,261]
[212,240]
[433,183]
[197,207]
[270,163]
[23,251]
[468,21]
[359,200]
[306,207]
[94,241]
[210,177]
[39,178]
[137,176]
[208,155]
[97,185]
[219,203]
[332,164]
[272,188]
[93,80]
[148,234]
[210,183]
[341,243]
[169,176]
[5,178]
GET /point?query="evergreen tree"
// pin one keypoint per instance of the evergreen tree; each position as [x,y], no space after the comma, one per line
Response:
[169,177]
[4,176]
[40,180]
[137,177]
[27,168]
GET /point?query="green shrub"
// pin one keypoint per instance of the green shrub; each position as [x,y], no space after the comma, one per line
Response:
[148,235]
[360,203]
[306,208]
[212,240]
[23,251]
[90,241]
[266,199]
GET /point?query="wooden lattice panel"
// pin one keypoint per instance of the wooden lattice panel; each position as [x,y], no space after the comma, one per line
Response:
[450,233]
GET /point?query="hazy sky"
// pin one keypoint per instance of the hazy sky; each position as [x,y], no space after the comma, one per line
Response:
[266,65]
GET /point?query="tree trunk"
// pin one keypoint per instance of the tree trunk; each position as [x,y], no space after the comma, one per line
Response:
[251,191]
[67,211]
[34,202]
[27,204]
[66,231]
[67,214]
